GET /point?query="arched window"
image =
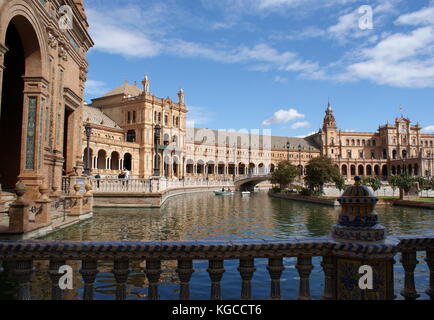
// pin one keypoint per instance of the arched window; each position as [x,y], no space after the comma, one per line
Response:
[115,161]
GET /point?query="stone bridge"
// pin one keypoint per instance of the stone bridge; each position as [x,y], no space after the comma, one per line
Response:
[249,182]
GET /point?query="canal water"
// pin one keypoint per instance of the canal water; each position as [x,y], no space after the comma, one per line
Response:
[203,216]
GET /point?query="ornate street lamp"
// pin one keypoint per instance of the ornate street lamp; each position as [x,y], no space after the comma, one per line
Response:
[157,135]
[288,146]
[88,168]
[299,161]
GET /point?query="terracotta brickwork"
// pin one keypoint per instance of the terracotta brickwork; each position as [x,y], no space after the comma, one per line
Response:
[47,130]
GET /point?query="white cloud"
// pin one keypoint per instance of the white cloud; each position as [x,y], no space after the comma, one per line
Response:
[301,124]
[198,116]
[424,16]
[429,129]
[283,116]
[96,88]
[403,60]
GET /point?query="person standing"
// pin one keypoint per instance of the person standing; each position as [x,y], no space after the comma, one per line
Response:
[126,176]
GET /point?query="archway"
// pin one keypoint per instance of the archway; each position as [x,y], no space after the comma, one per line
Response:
[261,169]
[345,170]
[353,170]
[377,170]
[252,168]
[102,162]
[175,165]
[272,168]
[369,170]
[361,170]
[200,167]
[190,167]
[241,169]
[385,171]
[114,165]
[22,59]
[128,162]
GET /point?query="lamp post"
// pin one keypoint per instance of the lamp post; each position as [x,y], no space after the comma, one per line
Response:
[250,160]
[288,146]
[235,161]
[157,133]
[299,161]
[88,129]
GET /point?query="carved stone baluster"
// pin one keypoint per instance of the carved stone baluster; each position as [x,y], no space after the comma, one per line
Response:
[216,270]
[329,283]
[121,270]
[409,262]
[153,272]
[430,262]
[185,271]
[304,267]
[246,269]
[275,268]
[89,270]
[53,271]
[23,271]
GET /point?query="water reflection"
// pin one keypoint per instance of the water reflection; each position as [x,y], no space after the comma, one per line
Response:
[207,217]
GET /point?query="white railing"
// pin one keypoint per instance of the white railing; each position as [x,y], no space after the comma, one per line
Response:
[153,186]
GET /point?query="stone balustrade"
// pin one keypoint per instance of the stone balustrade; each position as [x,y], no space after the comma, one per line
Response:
[152,186]
[338,283]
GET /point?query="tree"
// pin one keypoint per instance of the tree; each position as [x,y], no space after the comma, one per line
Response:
[372,182]
[340,183]
[404,182]
[424,183]
[320,171]
[284,174]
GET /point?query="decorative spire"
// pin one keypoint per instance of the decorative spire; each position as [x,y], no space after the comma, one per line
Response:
[181,95]
[146,84]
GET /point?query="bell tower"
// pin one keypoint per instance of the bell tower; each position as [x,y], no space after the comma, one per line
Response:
[330,139]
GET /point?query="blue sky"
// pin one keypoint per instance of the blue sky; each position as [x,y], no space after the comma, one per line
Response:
[271,64]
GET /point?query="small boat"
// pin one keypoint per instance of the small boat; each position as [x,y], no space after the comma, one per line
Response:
[223,193]
[246,193]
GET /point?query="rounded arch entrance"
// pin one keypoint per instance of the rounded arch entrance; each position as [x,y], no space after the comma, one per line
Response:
[20,113]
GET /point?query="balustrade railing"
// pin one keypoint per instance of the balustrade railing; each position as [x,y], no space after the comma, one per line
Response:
[149,185]
[20,256]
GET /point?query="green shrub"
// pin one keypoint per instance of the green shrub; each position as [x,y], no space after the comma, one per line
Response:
[276,190]
[306,192]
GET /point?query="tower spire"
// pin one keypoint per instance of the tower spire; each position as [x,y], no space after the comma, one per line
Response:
[146,84]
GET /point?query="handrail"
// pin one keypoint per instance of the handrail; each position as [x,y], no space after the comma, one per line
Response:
[23,253]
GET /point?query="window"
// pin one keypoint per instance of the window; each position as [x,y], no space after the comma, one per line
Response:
[129,117]
[131,136]
[134,117]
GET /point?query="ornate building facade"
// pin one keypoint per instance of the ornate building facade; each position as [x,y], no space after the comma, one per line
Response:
[43,46]
[137,131]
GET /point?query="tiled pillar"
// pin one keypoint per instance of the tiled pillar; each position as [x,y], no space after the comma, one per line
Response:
[32,171]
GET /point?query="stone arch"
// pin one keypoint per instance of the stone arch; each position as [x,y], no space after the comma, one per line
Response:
[353,170]
[344,170]
[377,170]
[128,161]
[200,167]
[114,160]
[21,34]
[361,170]
[242,169]
[102,160]
[385,171]
[369,170]
[261,169]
